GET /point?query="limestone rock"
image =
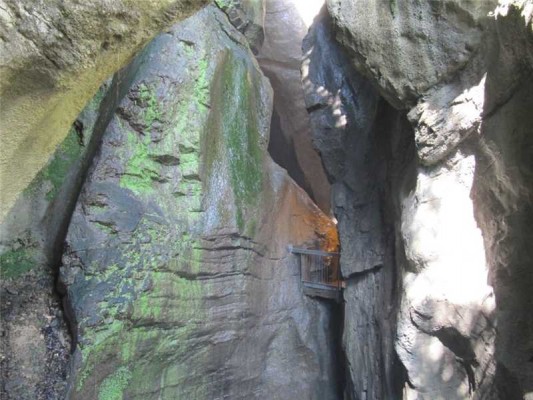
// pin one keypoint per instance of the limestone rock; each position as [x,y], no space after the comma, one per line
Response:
[290,138]
[176,269]
[344,109]
[405,48]
[54,57]
[31,239]
[248,16]
[445,116]
[502,192]
[446,327]
[463,207]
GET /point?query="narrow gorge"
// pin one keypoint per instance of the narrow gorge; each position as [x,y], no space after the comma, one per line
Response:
[266,199]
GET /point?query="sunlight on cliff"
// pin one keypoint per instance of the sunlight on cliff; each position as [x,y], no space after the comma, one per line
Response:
[308,9]
[444,239]
[502,10]
[324,96]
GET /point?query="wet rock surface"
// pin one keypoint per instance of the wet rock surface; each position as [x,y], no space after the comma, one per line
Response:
[177,278]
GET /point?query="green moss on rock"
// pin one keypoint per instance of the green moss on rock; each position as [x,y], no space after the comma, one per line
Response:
[140,170]
[14,263]
[151,109]
[201,90]
[112,388]
[234,115]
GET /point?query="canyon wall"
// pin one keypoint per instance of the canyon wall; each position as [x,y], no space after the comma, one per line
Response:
[351,129]
[175,278]
[290,134]
[143,247]
[444,283]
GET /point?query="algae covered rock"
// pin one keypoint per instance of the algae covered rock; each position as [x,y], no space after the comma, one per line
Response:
[54,56]
[176,273]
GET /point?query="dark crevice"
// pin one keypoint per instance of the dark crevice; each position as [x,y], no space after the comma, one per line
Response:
[355,276]
[316,107]
[281,149]
[337,329]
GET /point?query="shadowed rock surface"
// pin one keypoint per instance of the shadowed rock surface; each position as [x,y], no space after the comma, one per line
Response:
[454,292]
[290,139]
[353,131]
[31,240]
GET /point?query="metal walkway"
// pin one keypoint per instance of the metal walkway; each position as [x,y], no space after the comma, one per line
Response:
[319,272]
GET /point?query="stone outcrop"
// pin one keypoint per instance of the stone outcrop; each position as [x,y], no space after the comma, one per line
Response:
[461,210]
[54,57]
[176,274]
[407,52]
[248,16]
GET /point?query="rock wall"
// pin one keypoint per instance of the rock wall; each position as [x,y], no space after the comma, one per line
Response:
[352,130]
[290,139]
[34,365]
[54,57]
[177,278]
[459,208]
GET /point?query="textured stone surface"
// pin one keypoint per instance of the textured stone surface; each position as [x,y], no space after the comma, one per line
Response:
[446,116]
[354,148]
[54,56]
[405,48]
[446,325]
[248,16]
[176,272]
[497,159]
[464,225]
[502,194]
[290,138]
[31,239]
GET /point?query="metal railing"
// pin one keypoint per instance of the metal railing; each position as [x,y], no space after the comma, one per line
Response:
[318,268]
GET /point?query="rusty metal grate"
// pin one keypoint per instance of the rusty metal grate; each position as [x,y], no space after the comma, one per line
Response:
[319,269]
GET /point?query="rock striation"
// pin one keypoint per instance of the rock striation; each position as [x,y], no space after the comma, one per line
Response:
[176,274]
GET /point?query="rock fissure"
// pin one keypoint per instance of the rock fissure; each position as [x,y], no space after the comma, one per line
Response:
[148,258]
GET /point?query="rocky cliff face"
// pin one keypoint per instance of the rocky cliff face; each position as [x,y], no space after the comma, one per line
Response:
[352,130]
[176,279]
[290,138]
[454,319]
[36,341]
